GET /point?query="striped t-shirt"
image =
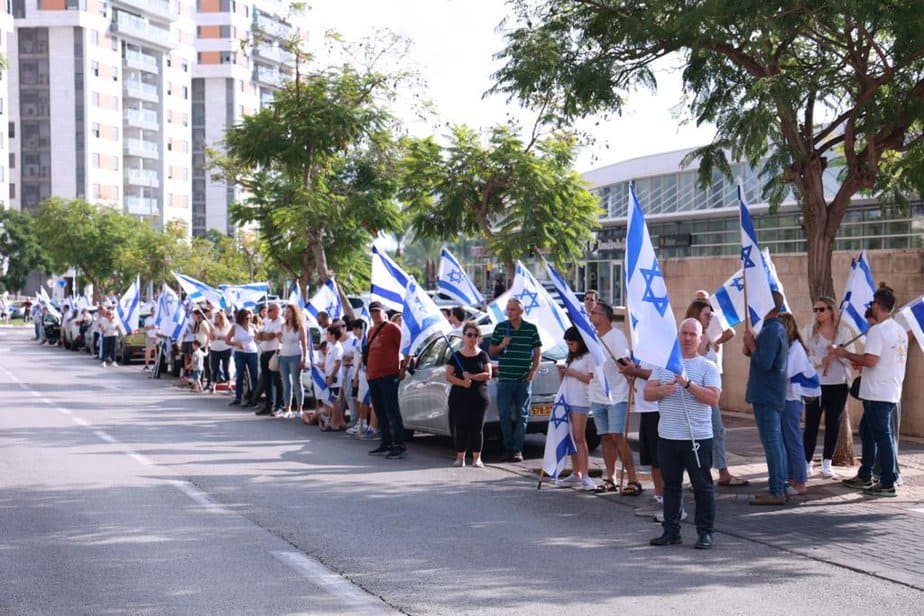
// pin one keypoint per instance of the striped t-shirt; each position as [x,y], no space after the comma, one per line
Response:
[516,360]
[675,408]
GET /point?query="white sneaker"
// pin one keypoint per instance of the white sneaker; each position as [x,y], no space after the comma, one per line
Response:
[352,431]
[588,485]
[567,482]
[826,471]
[791,491]
[809,469]
[899,481]
[659,516]
[458,463]
[478,463]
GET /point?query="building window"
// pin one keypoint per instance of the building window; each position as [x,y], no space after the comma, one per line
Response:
[94,68]
[12,191]
[12,160]
[12,130]
[96,130]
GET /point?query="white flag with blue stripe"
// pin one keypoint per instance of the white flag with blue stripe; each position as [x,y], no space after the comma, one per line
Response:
[454,282]
[244,295]
[128,308]
[858,293]
[326,299]
[756,277]
[775,283]
[171,314]
[558,442]
[420,319]
[911,317]
[728,301]
[198,291]
[538,307]
[389,281]
[497,309]
[45,301]
[651,320]
[803,379]
[322,392]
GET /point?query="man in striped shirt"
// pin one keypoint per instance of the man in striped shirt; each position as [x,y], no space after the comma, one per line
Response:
[516,345]
[685,403]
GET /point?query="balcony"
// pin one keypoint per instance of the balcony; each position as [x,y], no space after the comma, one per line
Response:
[271,27]
[127,25]
[156,8]
[142,62]
[142,91]
[268,76]
[141,206]
[275,54]
[142,177]
[142,118]
[141,149]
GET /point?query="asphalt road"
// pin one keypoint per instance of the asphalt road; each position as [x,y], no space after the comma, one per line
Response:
[122,495]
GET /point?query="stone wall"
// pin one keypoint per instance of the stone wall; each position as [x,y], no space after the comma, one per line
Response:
[903,270]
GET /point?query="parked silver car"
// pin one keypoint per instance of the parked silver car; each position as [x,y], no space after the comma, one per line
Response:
[424,393]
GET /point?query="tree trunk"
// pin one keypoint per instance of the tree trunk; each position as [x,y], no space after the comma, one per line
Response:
[843,454]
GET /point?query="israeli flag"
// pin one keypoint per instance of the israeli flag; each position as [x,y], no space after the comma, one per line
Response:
[728,301]
[128,308]
[322,391]
[497,310]
[558,442]
[454,282]
[326,299]
[858,293]
[295,295]
[198,291]
[538,307]
[911,317]
[651,322]
[389,281]
[45,301]
[244,295]
[803,379]
[756,279]
[581,320]
[171,314]
[420,319]
[774,280]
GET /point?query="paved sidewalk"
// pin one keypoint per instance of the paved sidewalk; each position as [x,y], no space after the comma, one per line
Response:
[832,523]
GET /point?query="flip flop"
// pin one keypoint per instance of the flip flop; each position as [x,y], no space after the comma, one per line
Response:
[735,482]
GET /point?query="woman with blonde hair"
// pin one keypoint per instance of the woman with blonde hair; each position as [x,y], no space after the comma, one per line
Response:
[826,331]
[220,350]
[293,358]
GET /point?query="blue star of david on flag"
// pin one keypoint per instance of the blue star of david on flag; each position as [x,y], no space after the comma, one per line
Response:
[560,412]
[660,302]
[746,256]
[738,282]
[455,276]
[558,442]
[532,296]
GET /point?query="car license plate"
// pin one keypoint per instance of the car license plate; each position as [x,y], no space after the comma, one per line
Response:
[542,411]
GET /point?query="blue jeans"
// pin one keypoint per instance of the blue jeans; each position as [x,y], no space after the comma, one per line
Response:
[290,368]
[244,360]
[769,427]
[109,343]
[384,392]
[793,443]
[513,404]
[676,457]
[876,436]
[719,460]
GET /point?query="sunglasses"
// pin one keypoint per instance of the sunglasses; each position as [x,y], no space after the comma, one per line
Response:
[471,335]
[822,309]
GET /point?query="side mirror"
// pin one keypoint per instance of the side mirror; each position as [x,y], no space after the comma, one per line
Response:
[411,365]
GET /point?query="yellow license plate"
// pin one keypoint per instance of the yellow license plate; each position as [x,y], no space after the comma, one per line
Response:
[542,411]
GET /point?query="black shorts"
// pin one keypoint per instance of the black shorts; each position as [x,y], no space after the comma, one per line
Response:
[648,439]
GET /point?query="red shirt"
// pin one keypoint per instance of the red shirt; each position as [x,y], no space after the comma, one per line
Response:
[384,350]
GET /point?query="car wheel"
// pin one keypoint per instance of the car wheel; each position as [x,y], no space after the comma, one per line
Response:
[591,436]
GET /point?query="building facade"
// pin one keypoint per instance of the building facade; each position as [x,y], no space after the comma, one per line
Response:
[121,98]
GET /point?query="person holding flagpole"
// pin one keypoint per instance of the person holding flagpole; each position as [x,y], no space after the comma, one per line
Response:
[384,369]
[468,371]
[766,392]
[685,404]
[576,376]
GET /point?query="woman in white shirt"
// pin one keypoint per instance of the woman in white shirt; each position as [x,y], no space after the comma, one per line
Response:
[220,350]
[835,378]
[241,339]
[293,358]
[576,375]
[332,362]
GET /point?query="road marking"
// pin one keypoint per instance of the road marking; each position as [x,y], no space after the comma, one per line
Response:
[63,410]
[141,459]
[80,421]
[917,509]
[198,496]
[355,598]
[105,436]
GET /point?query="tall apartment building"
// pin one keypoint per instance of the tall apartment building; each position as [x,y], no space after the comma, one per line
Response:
[103,104]
[6,33]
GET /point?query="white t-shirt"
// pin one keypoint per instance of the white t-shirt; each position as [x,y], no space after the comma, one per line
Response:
[151,333]
[334,353]
[271,326]
[615,341]
[883,382]
[641,405]
[838,371]
[244,337]
[575,391]
[348,343]
[219,344]
[107,327]
[681,410]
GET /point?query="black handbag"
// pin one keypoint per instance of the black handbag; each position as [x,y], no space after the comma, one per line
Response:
[855,389]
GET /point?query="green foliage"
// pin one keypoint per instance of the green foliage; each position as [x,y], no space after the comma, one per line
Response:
[318,166]
[520,197]
[20,249]
[792,86]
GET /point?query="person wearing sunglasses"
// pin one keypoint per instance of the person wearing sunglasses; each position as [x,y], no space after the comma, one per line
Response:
[826,331]
[243,340]
[468,370]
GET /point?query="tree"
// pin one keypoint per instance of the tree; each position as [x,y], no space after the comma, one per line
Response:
[318,169]
[792,87]
[20,250]
[520,197]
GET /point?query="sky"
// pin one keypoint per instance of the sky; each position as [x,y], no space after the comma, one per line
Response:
[453,44]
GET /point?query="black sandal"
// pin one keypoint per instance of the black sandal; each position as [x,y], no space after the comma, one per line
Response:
[633,488]
[606,486]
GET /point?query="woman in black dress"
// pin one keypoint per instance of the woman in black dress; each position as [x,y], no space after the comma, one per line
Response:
[468,370]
